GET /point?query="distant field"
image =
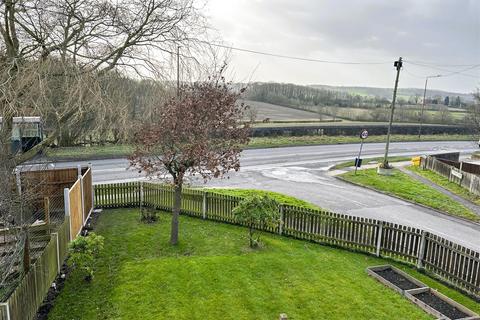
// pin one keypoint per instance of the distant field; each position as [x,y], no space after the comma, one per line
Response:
[279,113]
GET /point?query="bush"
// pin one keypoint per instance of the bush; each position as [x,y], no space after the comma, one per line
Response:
[83,254]
[148,215]
[255,211]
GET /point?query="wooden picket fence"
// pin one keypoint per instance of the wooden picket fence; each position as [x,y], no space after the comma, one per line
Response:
[25,300]
[453,263]
[467,180]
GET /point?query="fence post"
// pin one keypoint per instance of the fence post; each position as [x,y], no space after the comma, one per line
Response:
[66,200]
[204,205]
[93,189]
[82,199]
[421,250]
[55,235]
[46,207]
[79,170]
[280,227]
[379,238]
[26,252]
[141,194]
[5,304]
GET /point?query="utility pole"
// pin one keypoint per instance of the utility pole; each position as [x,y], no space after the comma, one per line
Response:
[423,104]
[398,65]
[178,71]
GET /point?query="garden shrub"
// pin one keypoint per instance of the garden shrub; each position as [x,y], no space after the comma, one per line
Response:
[148,215]
[257,211]
[83,254]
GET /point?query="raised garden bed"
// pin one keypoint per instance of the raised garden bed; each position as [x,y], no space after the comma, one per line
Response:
[429,300]
[439,305]
[395,278]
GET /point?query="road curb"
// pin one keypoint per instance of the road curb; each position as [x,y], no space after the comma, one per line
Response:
[409,201]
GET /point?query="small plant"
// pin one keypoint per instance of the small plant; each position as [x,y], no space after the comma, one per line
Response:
[148,215]
[256,211]
[83,254]
[384,165]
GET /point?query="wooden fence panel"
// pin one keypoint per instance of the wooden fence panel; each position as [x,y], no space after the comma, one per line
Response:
[469,181]
[29,294]
[76,212]
[400,242]
[117,195]
[457,264]
[87,193]
[63,239]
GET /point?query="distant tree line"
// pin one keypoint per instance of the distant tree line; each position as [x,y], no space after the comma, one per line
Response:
[338,104]
[296,95]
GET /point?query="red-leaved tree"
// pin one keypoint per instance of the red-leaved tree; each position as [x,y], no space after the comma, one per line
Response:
[202,132]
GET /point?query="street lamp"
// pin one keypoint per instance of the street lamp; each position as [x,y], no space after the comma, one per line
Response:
[423,103]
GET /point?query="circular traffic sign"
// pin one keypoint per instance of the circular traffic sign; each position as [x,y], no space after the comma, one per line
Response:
[364,134]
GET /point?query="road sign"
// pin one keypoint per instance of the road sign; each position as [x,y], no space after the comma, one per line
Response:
[358,162]
[364,134]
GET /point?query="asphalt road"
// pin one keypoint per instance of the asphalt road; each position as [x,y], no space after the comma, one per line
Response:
[303,172]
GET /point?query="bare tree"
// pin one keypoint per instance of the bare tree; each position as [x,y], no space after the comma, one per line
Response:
[60,50]
[200,133]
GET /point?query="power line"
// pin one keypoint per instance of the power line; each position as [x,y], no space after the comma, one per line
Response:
[413,74]
[434,64]
[450,72]
[297,58]
[416,63]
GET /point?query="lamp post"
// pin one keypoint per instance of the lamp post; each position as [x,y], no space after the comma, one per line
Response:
[423,102]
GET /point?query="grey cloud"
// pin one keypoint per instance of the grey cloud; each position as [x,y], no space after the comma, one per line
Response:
[444,31]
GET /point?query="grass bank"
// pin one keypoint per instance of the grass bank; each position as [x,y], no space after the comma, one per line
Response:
[351,163]
[444,183]
[281,198]
[212,274]
[271,142]
[121,150]
[405,187]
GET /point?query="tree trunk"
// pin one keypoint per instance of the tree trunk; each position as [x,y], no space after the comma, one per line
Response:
[250,235]
[177,202]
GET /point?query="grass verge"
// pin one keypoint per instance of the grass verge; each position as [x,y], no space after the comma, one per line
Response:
[444,183]
[351,163]
[212,274]
[271,142]
[405,187]
[281,198]
[121,150]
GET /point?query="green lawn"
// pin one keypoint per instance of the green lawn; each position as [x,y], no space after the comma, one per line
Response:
[281,198]
[121,150]
[213,274]
[443,182]
[408,188]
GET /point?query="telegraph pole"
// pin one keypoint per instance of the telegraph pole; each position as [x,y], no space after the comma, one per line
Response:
[398,66]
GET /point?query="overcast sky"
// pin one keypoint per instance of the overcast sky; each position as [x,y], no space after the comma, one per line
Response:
[427,31]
